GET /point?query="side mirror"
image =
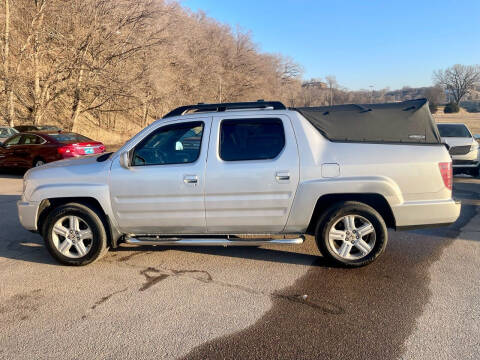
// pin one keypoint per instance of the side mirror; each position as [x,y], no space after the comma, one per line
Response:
[125,160]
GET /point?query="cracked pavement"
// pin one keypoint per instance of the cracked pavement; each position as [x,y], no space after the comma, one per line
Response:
[268,302]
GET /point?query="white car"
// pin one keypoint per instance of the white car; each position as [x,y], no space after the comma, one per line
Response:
[463,148]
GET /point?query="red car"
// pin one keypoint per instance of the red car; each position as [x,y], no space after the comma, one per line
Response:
[26,150]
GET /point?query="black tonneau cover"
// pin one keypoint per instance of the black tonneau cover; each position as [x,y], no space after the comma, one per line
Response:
[403,122]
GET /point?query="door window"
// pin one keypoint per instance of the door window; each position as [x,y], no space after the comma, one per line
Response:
[251,139]
[31,139]
[13,141]
[171,144]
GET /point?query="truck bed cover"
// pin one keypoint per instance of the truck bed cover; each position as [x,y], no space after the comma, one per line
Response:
[407,122]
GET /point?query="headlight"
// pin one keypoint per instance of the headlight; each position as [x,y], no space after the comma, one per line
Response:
[474,146]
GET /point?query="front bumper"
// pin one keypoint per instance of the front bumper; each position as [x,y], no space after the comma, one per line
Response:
[465,163]
[426,213]
[28,213]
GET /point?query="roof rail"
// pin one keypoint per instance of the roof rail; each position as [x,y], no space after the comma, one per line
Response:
[260,104]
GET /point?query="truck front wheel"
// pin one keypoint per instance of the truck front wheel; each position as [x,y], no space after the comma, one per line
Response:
[75,234]
[351,234]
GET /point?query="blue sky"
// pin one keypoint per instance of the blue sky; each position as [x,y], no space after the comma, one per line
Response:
[365,42]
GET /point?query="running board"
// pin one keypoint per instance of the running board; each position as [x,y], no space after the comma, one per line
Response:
[212,241]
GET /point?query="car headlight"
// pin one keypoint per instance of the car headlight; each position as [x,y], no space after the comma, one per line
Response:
[474,147]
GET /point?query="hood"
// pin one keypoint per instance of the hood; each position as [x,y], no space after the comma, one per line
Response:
[84,170]
[74,161]
[458,141]
[70,170]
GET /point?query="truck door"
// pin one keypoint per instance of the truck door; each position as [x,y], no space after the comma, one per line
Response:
[162,192]
[252,174]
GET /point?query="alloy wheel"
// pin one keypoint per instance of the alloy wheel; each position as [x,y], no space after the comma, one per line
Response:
[352,237]
[72,237]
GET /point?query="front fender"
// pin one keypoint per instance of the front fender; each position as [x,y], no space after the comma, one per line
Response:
[99,192]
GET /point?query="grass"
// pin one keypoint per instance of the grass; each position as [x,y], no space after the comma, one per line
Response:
[472,120]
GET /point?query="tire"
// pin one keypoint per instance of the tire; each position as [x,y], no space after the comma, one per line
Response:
[339,239]
[75,242]
[38,162]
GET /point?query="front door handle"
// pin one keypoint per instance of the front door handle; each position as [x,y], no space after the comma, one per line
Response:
[190,179]
[282,176]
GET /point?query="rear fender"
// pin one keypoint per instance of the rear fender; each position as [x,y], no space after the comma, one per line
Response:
[310,191]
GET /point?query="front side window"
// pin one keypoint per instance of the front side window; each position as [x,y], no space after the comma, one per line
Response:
[251,139]
[171,144]
[13,141]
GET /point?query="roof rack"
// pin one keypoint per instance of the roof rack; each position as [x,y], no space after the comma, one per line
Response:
[260,104]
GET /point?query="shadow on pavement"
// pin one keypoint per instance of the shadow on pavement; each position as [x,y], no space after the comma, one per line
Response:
[16,243]
[248,253]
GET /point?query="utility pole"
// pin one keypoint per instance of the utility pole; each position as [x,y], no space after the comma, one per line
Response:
[371,94]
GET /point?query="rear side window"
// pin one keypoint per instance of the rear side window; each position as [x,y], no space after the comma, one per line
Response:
[251,139]
[31,140]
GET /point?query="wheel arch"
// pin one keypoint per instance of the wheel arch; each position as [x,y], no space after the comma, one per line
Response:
[376,201]
[47,205]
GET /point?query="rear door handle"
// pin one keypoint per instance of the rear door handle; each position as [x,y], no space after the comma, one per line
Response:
[190,179]
[282,176]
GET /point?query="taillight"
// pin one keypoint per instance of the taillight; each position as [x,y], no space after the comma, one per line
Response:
[447,173]
[66,151]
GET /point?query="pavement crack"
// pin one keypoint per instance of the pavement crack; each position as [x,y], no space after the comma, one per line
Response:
[205,277]
[326,307]
[106,298]
[152,279]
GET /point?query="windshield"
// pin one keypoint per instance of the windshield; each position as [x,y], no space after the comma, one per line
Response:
[61,137]
[453,130]
[7,132]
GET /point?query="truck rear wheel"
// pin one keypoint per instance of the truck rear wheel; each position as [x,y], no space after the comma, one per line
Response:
[351,234]
[75,234]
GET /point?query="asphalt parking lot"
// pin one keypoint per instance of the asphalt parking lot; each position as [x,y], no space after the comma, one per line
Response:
[419,300]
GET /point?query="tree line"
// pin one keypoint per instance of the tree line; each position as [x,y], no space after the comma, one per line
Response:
[115,62]
[128,61]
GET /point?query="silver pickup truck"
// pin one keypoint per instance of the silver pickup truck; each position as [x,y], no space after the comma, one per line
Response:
[208,174]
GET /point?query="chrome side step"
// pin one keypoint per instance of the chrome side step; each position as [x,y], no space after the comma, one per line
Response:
[211,241]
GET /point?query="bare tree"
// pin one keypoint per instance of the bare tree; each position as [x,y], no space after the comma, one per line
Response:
[458,80]
[7,79]
[332,85]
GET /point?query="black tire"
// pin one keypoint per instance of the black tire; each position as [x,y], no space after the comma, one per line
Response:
[333,215]
[92,218]
[38,162]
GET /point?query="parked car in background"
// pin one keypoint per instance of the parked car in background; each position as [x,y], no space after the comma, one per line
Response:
[28,128]
[6,132]
[26,150]
[463,148]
